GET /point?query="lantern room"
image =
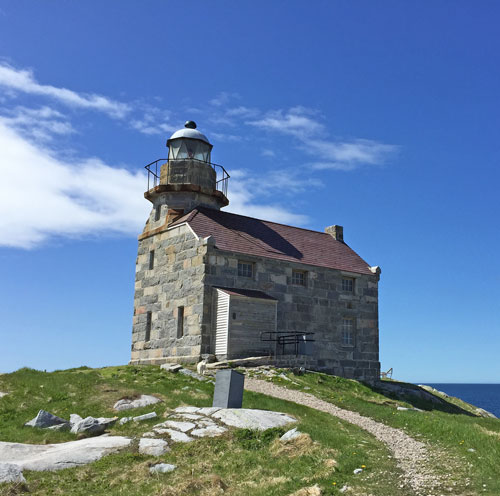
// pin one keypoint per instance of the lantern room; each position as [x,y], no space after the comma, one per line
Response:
[189,143]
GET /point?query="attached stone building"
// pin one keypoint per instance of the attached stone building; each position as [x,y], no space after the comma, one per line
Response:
[210,282]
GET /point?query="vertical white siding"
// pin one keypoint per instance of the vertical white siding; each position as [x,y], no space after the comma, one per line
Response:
[222,321]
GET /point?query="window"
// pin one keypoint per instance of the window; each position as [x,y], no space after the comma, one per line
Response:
[180,322]
[151,259]
[245,269]
[298,277]
[157,212]
[348,284]
[148,327]
[348,332]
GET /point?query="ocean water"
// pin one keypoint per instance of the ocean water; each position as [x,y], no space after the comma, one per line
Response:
[485,396]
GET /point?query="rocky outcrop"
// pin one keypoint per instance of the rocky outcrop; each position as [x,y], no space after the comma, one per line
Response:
[129,404]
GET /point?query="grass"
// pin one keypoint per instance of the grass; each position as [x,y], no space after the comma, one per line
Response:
[466,448]
[241,462]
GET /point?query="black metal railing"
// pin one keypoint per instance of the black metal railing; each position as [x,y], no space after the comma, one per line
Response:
[284,338]
[154,168]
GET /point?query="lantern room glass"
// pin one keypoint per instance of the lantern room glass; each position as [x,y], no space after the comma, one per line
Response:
[185,148]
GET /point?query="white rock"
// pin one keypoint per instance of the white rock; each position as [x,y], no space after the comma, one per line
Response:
[128,404]
[178,437]
[291,434]
[471,450]
[74,419]
[208,410]
[187,409]
[3,394]
[171,367]
[189,416]
[344,488]
[283,376]
[93,426]
[357,471]
[60,427]
[149,434]
[179,426]
[162,468]
[201,367]
[10,472]
[154,447]
[63,455]
[211,431]
[206,423]
[146,416]
[124,420]
[244,418]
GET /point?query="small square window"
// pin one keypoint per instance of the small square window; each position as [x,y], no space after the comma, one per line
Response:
[348,332]
[245,269]
[348,284]
[298,277]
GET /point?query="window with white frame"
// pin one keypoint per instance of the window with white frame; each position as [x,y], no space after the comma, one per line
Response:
[245,269]
[348,332]
[348,284]
[298,277]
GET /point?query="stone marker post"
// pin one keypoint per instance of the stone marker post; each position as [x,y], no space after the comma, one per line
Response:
[228,391]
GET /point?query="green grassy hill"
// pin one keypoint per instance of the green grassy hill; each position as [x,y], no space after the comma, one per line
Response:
[466,448]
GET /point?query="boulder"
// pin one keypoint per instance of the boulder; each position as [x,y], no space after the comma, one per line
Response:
[74,419]
[124,420]
[154,447]
[93,426]
[45,419]
[162,468]
[9,472]
[63,455]
[171,367]
[244,418]
[176,436]
[210,431]
[129,404]
[146,416]
[290,435]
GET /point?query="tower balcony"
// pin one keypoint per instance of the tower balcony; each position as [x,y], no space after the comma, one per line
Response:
[191,172]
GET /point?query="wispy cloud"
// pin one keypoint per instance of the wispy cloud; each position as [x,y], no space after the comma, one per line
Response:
[84,198]
[223,98]
[24,81]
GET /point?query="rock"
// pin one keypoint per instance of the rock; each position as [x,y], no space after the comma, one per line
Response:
[146,416]
[154,447]
[162,468]
[178,437]
[283,376]
[484,413]
[179,426]
[187,409]
[45,419]
[471,450]
[9,472]
[124,420]
[93,426]
[357,471]
[244,418]
[405,409]
[208,410]
[3,394]
[150,434]
[129,404]
[60,427]
[290,435]
[171,367]
[189,416]
[201,367]
[344,488]
[74,419]
[192,374]
[63,455]
[211,431]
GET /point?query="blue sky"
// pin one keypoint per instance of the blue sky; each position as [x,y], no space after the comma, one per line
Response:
[379,116]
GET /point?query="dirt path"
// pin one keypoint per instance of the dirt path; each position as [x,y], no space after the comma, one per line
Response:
[411,455]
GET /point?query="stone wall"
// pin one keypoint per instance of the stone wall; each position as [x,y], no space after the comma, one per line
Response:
[320,307]
[176,280]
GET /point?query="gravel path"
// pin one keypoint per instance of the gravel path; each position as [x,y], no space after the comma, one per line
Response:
[411,455]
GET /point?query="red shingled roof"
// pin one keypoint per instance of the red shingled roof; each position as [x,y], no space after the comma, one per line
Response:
[262,238]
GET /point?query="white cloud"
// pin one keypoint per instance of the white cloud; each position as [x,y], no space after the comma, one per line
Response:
[296,121]
[42,196]
[222,98]
[267,153]
[40,123]
[24,81]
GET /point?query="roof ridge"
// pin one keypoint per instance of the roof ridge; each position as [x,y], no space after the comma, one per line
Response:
[268,221]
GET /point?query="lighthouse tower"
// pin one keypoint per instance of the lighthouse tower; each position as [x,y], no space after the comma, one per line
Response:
[169,290]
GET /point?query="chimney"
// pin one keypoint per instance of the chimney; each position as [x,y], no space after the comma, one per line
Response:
[337,232]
